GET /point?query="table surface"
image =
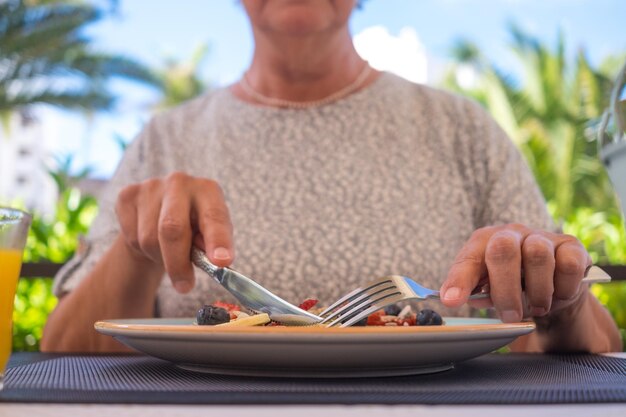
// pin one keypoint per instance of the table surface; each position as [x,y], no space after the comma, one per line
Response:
[129,410]
[132,410]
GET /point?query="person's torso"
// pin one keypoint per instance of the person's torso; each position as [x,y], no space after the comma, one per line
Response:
[326,199]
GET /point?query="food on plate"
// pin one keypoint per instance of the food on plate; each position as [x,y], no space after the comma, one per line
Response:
[224,314]
[255,320]
[308,304]
[211,315]
[429,317]
[393,310]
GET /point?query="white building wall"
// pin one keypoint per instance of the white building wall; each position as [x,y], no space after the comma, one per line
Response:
[23,174]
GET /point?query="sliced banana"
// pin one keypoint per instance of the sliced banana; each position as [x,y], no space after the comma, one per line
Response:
[240,314]
[256,320]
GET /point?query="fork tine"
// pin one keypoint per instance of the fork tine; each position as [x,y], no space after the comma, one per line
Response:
[365,313]
[365,309]
[358,298]
[341,301]
[366,306]
[354,294]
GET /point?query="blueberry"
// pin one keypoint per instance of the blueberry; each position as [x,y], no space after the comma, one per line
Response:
[429,317]
[392,310]
[209,315]
[362,322]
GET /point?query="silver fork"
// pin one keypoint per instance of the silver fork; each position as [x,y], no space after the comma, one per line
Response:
[252,295]
[377,294]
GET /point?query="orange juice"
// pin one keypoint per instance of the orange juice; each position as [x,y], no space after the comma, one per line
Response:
[10,263]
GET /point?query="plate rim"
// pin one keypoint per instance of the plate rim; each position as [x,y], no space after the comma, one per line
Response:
[180,344]
[122,328]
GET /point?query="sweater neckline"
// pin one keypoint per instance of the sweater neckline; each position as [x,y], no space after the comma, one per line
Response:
[362,95]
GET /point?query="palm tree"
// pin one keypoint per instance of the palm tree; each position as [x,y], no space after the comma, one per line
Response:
[180,79]
[548,115]
[45,57]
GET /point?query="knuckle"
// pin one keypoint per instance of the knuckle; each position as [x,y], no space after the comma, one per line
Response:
[570,265]
[502,246]
[127,195]
[171,228]
[537,252]
[571,243]
[151,183]
[481,233]
[176,177]
[570,239]
[151,186]
[517,227]
[210,185]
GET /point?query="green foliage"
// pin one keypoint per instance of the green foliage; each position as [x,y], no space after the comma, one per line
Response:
[550,117]
[33,303]
[603,234]
[613,297]
[180,80]
[52,239]
[46,58]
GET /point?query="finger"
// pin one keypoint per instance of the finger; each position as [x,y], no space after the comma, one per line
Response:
[148,212]
[571,263]
[214,223]
[126,211]
[538,262]
[175,233]
[503,258]
[467,270]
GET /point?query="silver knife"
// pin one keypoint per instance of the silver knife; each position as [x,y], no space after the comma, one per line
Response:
[252,295]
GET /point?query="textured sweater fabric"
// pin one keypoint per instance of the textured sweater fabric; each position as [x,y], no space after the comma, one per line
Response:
[392,179]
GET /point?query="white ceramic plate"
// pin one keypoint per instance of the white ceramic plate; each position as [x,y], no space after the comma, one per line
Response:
[314,351]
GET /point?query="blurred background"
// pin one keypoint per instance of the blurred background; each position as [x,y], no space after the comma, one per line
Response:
[79,79]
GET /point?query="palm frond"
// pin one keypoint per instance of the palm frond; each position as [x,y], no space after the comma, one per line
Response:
[45,57]
[31,31]
[548,115]
[72,100]
[466,52]
[180,80]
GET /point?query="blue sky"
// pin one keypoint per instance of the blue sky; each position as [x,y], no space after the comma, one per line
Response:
[150,30]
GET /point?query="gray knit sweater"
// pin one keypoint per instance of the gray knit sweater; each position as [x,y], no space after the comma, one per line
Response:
[390,180]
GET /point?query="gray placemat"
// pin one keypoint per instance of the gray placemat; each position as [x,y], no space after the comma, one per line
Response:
[490,379]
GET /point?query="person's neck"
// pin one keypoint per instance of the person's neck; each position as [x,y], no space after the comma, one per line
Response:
[304,68]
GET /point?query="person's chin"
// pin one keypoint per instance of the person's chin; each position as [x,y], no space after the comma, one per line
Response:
[300,21]
[299,30]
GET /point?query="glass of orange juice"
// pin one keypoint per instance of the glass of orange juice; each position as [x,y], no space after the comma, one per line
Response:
[14,226]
